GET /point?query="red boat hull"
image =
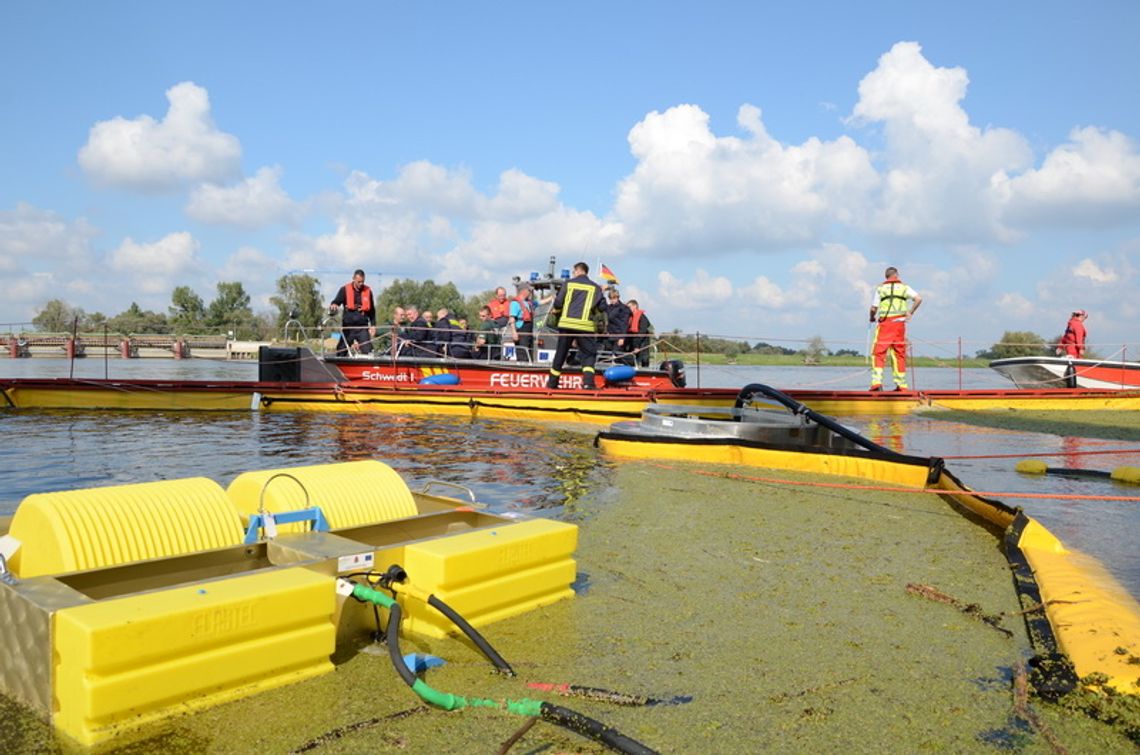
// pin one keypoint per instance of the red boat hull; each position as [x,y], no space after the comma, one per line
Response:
[486,375]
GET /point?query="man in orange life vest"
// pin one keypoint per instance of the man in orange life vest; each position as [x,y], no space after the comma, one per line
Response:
[638,345]
[358,325]
[891,307]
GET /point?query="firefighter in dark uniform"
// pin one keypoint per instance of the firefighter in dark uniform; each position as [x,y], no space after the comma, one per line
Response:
[573,311]
[358,325]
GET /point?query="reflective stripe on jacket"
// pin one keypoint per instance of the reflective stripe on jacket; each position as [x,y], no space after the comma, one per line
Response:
[577,301]
[892,296]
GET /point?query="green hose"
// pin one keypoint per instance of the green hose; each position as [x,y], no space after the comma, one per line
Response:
[564,717]
[445,700]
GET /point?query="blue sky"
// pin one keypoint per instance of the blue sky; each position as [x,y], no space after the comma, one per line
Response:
[747,169]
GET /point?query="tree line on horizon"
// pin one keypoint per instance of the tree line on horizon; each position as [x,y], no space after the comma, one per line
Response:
[298,298]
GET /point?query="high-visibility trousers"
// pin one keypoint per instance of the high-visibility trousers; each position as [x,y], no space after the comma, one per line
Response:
[890,337]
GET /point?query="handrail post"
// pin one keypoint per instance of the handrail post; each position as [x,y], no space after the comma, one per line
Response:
[959,362]
[698,359]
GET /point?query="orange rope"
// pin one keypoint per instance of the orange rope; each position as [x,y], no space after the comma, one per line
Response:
[891,489]
[1056,453]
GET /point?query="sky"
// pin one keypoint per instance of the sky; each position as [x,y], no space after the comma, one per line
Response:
[746,169]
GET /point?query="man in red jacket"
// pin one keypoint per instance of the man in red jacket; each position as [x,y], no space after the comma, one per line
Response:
[1073,342]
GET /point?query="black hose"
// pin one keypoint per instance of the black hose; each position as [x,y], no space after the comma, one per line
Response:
[596,730]
[394,617]
[820,419]
[564,717]
[473,634]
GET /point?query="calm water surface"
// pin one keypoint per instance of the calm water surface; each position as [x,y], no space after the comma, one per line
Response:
[515,466]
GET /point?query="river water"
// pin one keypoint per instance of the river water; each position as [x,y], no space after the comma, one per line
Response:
[518,465]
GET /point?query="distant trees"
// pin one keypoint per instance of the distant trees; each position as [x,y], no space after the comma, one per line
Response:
[425,295]
[230,311]
[766,348]
[815,350]
[299,298]
[137,320]
[1017,343]
[472,304]
[684,342]
[58,316]
[188,312]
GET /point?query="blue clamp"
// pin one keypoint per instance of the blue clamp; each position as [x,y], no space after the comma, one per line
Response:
[313,515]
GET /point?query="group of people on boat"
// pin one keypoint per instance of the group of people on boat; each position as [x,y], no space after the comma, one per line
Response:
[585,318]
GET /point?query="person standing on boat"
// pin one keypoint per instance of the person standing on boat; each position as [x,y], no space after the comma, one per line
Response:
[462,341]
[892,306]
[487,336]
[445,331]
[574,310]
[1073,342]
[500,307]
[418,333]
[638,344]
[522,317]
[617,322]
[358,323]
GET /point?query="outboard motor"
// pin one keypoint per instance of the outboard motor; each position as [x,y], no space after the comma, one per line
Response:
[675,369]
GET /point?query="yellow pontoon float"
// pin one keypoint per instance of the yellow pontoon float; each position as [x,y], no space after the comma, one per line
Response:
[124,605]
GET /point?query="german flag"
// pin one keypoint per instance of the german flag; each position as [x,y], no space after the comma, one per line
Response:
[608,276]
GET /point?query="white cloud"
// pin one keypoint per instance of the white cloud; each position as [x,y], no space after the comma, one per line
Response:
[1015,305]
[496,250]
[693,191]
[432,222]
[522,196]
[938,168]
[701,292]
[1095,178]
[35,239]
[763,293]
[1091,271]
[44,256]
[253,203]
[148,155]
[257,271]
[158,267]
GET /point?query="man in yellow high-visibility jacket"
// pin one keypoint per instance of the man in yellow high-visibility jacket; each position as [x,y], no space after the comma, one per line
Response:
[892,306]
[573,314]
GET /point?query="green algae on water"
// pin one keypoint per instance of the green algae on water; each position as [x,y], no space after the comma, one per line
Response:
[1110,425]
[781,610]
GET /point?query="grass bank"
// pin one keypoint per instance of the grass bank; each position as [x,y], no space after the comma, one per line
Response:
[1111,425]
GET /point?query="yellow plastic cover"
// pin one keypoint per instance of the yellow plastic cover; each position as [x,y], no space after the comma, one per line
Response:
[78,530]
[490,574]
[350,493]
[119,664]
